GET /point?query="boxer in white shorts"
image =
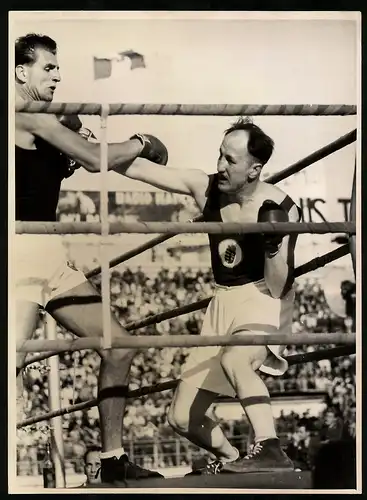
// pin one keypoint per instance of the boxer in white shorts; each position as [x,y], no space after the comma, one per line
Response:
[254,278]
[49,148]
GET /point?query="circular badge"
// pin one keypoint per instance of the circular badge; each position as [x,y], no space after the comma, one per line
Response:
[230,253]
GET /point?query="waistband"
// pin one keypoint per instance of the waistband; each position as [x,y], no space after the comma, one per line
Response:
[258,284]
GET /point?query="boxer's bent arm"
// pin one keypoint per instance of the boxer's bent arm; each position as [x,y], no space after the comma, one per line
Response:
[73,145]
[176,180]
[279,270]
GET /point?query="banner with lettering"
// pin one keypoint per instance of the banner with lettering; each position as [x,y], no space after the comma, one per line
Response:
[164,206]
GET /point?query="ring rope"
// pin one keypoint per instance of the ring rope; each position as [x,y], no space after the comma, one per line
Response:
[136,251]
[36,227]
[310,266]
[189,109]
[314,157]
[149,341]
[171,384]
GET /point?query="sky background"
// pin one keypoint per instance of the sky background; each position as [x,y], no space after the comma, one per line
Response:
[223,58]
[213,61]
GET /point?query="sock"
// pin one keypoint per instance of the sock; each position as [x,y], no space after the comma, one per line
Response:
[261,438]
[227,460]
[260,415]
[118,452]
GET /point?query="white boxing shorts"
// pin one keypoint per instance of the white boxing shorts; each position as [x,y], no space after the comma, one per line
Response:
[246,310]
[40,269]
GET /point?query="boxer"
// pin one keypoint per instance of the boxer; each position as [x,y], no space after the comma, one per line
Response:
[48,148]
[254,295]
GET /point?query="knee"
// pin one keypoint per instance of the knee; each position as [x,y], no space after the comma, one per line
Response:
[235,360]
[178,418]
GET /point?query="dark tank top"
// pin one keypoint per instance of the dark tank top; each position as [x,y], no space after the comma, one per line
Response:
[236,259]
[38,176]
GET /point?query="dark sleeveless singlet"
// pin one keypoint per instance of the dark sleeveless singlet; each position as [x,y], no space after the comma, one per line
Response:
[236,259]
[38,176]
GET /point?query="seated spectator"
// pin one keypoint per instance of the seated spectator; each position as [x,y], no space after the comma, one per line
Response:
[92,466]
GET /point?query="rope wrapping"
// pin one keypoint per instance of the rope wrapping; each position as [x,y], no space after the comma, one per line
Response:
[171,384]
[187,227]
[189,109]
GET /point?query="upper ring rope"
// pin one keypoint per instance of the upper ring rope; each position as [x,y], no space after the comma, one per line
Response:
[186,227]
[189,109]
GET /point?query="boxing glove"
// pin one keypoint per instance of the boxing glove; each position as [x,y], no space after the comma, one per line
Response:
[72,122]
[153,149]
[72,165]
[272,212]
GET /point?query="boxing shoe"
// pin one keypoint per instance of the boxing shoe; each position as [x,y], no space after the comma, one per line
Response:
[265,456]
[206,468]
[114,470]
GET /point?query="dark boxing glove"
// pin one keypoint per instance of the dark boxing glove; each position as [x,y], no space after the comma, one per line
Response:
[72,122]
[153,149]
[272,212]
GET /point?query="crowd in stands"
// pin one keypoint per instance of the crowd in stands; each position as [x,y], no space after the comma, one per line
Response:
[137,293]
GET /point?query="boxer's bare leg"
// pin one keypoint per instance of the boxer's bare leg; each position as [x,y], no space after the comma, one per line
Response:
[79,310]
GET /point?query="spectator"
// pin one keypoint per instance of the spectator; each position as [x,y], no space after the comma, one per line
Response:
[92,466]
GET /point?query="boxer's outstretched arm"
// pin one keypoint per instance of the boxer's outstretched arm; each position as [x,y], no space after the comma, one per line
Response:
[192,182]
[87,154]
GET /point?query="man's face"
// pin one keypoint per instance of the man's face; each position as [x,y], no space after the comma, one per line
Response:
[236,167]
[41,77]
[93,467]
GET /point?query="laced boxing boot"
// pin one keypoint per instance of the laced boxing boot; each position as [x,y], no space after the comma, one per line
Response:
[205,467]
[121,469]
[265,456]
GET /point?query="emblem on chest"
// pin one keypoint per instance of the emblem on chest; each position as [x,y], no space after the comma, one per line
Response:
[230,253]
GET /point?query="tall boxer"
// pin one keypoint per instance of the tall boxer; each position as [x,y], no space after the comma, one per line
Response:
[47,149]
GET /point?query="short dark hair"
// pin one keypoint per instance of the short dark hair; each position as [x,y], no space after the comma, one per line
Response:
[260,145]
[91,449]
[25,47]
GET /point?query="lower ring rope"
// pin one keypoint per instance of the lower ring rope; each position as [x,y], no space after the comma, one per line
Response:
[312,265]
[171,384]
[146,342]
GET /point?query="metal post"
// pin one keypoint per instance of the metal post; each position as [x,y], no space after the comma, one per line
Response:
[57,443]
[105,262]
[352,218]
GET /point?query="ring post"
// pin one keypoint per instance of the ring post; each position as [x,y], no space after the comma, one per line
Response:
[57,442]
[105,262]
[352,218]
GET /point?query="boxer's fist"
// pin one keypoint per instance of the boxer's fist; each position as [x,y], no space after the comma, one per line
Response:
[72,122]
[153,149]
[72,165]
[272,212]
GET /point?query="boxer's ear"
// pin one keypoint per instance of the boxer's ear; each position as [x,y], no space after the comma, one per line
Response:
[255,171]
[21,73]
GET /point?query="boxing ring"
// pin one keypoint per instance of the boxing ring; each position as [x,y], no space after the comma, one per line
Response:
[51,347]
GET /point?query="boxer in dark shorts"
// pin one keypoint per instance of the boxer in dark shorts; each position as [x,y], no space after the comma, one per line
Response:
[48,149]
